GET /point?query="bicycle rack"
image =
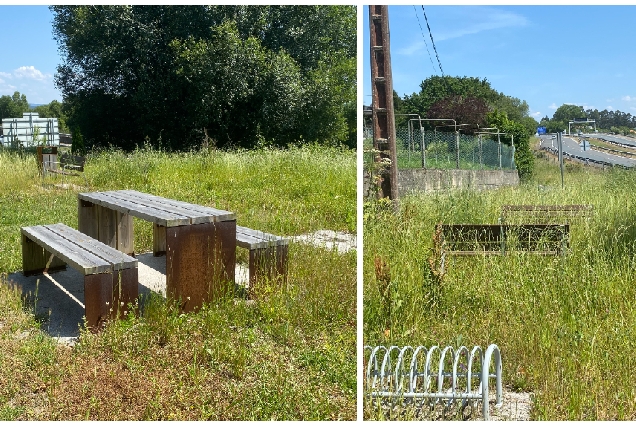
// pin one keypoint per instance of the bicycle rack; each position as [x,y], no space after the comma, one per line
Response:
[452,381]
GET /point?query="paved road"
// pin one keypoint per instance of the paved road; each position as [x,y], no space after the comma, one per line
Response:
[613,138]
[572,148]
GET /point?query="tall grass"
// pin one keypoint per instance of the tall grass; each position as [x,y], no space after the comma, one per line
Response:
[290,355]
[565,325]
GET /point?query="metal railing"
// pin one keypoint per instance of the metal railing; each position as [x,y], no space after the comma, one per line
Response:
[433,376]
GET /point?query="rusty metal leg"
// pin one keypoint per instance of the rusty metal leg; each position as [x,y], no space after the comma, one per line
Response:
[98,299]
[87,219]
[37,260]
[281,264]
[267,265]
[125,292]
[200,262]
[158,240]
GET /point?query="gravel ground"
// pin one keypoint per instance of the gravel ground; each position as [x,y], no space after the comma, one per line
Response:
[515,407]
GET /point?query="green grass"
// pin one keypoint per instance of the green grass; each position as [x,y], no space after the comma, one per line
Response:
[289,356]
[565,326]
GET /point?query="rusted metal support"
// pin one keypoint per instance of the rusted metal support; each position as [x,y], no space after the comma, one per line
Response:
[382,100]
[200,260]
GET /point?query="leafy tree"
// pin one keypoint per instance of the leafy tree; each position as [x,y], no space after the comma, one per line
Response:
[465,110]
[53,109]
[238,73]
[13,106]
[437,88]
[567,112]
[524,159]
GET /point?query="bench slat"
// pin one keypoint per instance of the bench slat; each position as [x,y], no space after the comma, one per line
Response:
[70,253]
[119,260]
[157,216]
[255,239]
[216,214]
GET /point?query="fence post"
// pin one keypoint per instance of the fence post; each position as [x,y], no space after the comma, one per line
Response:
[499,149]
[423,147]
[481,165]
[512,159]
[457,146]
[410,141]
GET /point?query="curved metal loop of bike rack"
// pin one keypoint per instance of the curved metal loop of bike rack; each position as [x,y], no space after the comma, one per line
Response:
[455,374]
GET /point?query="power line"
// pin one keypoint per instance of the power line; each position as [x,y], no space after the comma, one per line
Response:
[424,38]
[434,48]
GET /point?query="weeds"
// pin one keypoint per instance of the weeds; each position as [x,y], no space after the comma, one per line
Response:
[289,356]
[564,324]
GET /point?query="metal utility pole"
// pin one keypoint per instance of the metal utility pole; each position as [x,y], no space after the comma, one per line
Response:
[382,99]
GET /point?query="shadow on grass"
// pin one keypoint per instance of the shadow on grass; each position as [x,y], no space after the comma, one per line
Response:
[57,301]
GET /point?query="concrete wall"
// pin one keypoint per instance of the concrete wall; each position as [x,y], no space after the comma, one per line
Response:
[431,180]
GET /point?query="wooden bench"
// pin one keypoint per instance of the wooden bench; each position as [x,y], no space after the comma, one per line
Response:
[545,214]
[68,165]
[268,257]
[498,239]
[110,277]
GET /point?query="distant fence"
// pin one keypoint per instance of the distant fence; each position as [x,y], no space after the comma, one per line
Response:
[30,130]
[449,150]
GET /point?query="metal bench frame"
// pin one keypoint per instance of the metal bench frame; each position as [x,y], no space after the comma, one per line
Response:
[546,214]
[110,277]
[268,257]
[492,239]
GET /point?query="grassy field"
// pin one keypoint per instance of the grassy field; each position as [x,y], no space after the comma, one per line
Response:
[289,356]
[565,326]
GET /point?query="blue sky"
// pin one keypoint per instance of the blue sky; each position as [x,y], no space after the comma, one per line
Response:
[545,55]
[28,53]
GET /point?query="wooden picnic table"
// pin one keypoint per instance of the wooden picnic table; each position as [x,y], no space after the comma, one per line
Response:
[199,242]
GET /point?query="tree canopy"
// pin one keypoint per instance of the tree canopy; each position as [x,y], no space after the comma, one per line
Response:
[13,106]
[239,74]
[607,120]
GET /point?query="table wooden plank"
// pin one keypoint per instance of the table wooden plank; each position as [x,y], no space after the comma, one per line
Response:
[119,260]
[72,254]
[195,217]
[217,214]
[157,216]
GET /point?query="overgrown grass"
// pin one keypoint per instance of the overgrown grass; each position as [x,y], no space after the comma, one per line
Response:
[565,326]
[289,356]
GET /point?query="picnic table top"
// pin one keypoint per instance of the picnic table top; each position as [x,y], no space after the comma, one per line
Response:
[162,211]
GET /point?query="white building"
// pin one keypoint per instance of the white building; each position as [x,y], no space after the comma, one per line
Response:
[22,131]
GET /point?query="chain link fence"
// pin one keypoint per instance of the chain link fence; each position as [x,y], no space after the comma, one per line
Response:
[450,150]
[447,150]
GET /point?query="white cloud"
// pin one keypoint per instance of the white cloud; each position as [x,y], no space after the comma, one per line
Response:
[30,72]
[609,107]
[553,106]
[536,114]
[483,19]
[5,75]
[628,98]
